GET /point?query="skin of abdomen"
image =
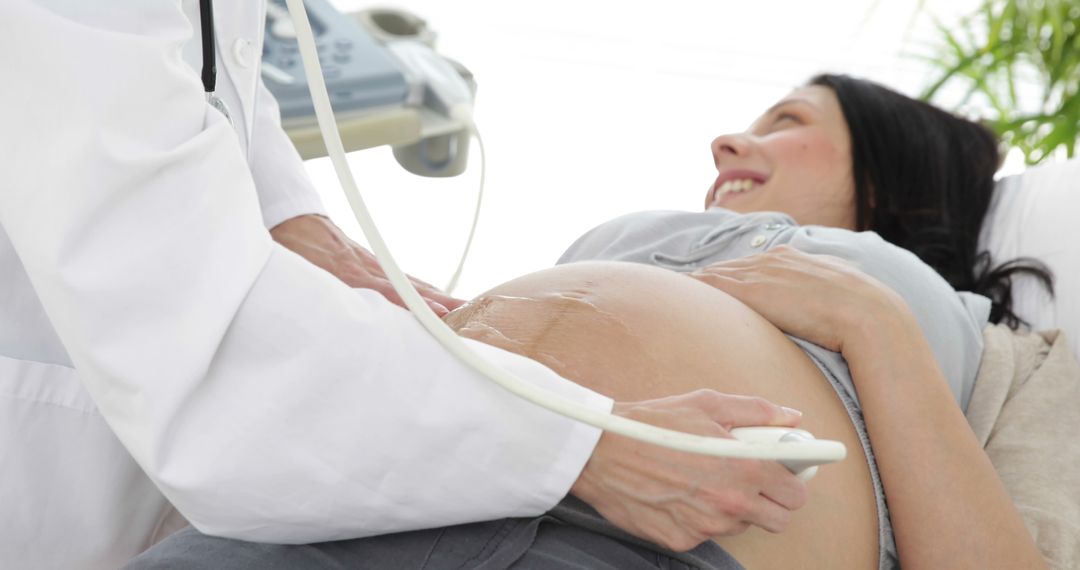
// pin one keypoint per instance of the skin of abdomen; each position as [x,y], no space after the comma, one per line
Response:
[636,332]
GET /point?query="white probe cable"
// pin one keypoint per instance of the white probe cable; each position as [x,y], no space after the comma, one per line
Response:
[806,453]
[467,119]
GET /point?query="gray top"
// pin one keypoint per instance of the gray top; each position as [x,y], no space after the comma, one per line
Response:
[685,241]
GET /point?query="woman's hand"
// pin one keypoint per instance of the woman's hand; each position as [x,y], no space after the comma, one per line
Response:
[820,298]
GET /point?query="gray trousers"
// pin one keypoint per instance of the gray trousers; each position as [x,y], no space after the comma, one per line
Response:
[572,535]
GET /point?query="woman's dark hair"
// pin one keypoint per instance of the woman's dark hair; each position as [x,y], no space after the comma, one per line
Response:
[923,181]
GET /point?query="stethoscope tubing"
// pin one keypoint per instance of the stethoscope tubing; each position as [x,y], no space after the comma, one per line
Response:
[209,57]
[209,53]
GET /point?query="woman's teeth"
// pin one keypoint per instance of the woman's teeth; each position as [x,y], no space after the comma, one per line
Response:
[737,186]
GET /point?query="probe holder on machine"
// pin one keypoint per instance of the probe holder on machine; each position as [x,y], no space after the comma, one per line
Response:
[387,85]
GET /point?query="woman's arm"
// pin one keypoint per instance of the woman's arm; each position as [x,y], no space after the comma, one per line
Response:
[948,507]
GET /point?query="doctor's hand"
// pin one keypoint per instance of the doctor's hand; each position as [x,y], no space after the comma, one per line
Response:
[679,500]
[318,240]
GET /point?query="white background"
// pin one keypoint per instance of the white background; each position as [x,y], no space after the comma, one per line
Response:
[593,109]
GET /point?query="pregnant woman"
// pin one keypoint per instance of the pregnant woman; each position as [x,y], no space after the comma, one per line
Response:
[835,271]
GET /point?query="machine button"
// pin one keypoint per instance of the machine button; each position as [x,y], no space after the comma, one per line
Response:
[242,52]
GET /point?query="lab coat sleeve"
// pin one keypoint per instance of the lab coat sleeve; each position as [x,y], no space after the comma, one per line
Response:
[284,188]
[267,400]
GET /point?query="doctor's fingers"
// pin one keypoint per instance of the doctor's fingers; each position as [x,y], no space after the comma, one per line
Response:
[384,288]
[435,294]
[432,294]
[732,410]
[369,268]
[770,508]
[727,505]
[769,515]
[781,488]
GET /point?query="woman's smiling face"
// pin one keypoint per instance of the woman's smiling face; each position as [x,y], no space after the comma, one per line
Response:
[795,159]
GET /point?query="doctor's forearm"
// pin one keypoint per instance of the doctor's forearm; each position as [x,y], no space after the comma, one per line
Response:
[948,507]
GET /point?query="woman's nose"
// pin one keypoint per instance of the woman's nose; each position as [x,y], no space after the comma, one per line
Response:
[730,146]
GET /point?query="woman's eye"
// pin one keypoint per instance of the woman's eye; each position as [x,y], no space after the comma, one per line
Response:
[786,117]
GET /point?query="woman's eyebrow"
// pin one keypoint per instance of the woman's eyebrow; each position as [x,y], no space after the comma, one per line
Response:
[778,105]
[788,102]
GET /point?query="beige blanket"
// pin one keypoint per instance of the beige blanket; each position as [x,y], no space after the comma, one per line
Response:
[1025,410]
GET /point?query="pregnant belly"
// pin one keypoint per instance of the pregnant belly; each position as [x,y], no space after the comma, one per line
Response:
[636,332]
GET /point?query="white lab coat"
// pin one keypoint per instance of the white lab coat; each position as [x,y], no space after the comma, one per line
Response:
[152,336]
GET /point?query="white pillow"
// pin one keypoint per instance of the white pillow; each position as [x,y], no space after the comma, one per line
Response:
[1037,214]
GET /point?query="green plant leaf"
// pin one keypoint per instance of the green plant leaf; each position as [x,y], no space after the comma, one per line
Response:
[1022,41]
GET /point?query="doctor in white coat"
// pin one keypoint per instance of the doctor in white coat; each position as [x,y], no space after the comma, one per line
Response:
[161,355]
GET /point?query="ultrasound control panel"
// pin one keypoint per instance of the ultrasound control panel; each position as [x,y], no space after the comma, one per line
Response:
[360,73]
[387,86]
